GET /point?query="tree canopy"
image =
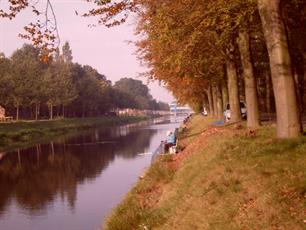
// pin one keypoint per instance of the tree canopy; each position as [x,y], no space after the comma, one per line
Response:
[215,51]
[32,88]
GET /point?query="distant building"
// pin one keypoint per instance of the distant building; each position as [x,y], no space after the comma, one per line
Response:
[177,109]
[137,112]
[2,112]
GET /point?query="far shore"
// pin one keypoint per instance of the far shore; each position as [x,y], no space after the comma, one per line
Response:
[24,133]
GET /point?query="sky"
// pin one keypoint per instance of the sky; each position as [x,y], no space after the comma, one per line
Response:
[106,49]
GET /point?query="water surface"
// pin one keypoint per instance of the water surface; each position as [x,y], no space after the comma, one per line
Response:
[74,183]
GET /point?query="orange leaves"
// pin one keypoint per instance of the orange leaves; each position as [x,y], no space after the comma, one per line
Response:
[45,58]
[112,13]
[35,11]
[42,34]
[44,39]
[15,6]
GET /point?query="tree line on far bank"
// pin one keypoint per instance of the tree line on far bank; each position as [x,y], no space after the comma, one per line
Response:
[33,89]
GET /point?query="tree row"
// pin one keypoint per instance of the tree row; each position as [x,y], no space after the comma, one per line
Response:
[215,52]
[33,89]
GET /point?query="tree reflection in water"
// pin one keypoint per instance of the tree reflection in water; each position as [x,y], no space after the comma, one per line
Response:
[36,176]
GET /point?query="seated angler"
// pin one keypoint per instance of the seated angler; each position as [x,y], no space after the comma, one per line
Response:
[171,140]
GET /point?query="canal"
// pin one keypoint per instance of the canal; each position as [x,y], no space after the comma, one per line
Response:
[73,183]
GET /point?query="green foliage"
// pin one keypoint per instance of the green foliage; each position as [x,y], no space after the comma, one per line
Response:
[197,107]
[5,82]
[136,95]
[26,75]
[64,88]
[67,53]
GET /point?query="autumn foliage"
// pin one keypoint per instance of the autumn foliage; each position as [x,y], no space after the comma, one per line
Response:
[211,52]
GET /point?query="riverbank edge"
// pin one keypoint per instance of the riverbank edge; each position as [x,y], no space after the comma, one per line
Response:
[224,178]
[24,133]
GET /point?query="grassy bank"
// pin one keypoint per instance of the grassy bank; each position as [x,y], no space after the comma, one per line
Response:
[224,178]
[18,134]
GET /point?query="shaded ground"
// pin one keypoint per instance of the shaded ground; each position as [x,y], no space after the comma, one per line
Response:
[271,118]
[224,178]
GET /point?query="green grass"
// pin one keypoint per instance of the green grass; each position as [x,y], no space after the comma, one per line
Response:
[232,180]
[23,133]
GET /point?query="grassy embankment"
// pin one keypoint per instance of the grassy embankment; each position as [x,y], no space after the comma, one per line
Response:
[224,178]
[23,133]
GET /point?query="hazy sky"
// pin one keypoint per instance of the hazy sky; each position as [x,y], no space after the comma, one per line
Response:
[105,49]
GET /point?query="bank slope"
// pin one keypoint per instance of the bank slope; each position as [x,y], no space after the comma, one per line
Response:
[224,178]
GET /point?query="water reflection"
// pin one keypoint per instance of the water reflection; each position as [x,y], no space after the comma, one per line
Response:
[34,176]
[47,179]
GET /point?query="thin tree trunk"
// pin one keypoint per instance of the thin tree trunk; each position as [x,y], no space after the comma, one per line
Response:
[17,111]
[63,111]
[51,111]
[268,95]
[298,90]
[214,98]
[287,112]
[219,102]
[299,82]
[224,94]
[233,91]
[210,102]
[36,111]
[304,85]
[253,119]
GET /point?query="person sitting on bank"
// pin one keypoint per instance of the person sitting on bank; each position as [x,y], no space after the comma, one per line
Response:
[171,140]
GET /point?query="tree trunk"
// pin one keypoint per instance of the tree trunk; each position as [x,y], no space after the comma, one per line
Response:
[299,83]
[253,119]
[210,102]
[36,111]
[51,111]
[219,103]
[268,95]
[304,85]
[63,111]
[224,94]
[214,98]
[233,91]
[287,112]
[17,111]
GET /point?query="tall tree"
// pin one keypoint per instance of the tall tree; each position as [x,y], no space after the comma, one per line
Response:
[26,76]
[253,119]
[287,111]
[136,89]
[6,86]
[67,53]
